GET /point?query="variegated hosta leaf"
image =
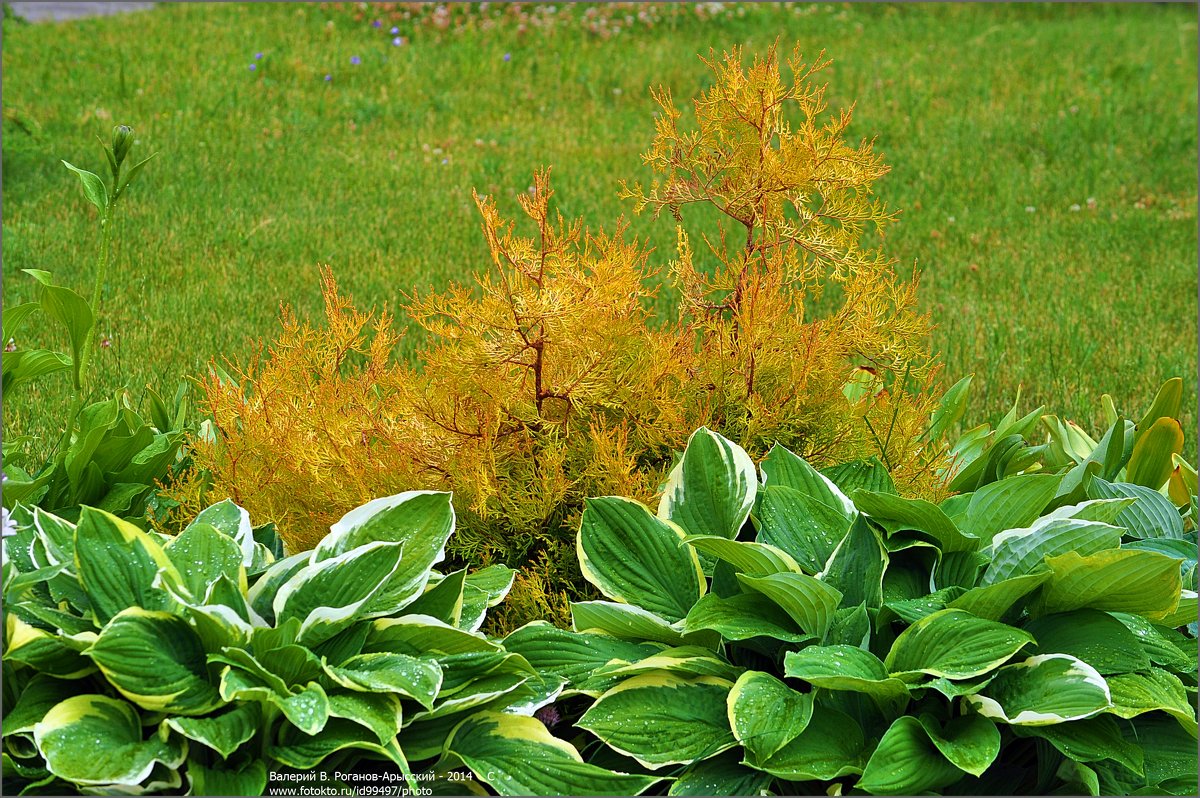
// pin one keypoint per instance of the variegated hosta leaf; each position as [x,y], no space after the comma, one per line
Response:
[516,755]
[846,668]
[1021,551]
[743,616]
[295,749]
[96,740]
[417,635]
[250,779]
[897,514]
[1120,580]
[765,714]
[224,732]
[571,655]
[419,679]
[995,600]
[307,707]
[202,555]
[635,558]
[43,651]
[856,566]
[379,712]
[752,559]
[660,719]
[808,601]
[1043,690]
[156,661]
[234,522]
[830,747]
[711,490]
[954,644]
[1135,694]
[686,661]
[782,468]
[118,565]
[1095,637]
[807,528]
[329,595]
[625,622]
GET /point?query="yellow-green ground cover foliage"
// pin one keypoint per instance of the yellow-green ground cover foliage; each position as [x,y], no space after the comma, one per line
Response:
[548,381]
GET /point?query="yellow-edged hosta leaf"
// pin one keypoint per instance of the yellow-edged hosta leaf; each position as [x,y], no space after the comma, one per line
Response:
[118,565]
[1118,580]
[809,602]
[1017,552]
[954,644]
[830,747]
[765,714]
[712,488]
[1043,690]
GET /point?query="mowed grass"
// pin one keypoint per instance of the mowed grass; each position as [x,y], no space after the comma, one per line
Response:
[997,120]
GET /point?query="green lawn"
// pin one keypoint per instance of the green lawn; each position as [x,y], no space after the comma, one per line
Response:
[997,120]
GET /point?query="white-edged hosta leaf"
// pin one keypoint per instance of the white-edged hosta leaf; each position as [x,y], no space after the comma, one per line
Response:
[417,635]
[262,593]
[329,595]
[1017,552]
[202,555]
[380,712]
[897,514]
[1151,515]
[571,655]
[234,522]
[43,651]
[807,600]
[494,580]
[636,558]
[686,661]
[753,559]
[995,600]
[845,668]
[623,621]
[516,755]
[906,762]
[954,644]
[743,616]
[1119,580]
[301,751]
[765,714]
[96,740]
[1043,690]
[156,661]
[1104,511]
[224,732]
[1093,739]
[856,566]
[418,679]
[249,779]
[1011,503]
[805,527]
[118,564]
[444,600]
[421,519]
[1095,637]
[660,719]
[830,747]
[711,489]
[782,468]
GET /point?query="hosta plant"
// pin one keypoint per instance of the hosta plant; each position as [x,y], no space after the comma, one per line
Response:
[135,663]
[812,632]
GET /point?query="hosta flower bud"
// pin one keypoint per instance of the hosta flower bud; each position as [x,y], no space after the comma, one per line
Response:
[122,140]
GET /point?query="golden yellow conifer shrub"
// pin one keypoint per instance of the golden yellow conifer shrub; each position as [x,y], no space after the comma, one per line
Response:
[549,381]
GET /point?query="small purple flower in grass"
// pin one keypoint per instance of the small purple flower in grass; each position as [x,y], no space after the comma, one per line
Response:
[328,78]
[355,60]
[508,56]
[398,41]
[253,67]
[549,716]
[376,24]
[394,31]
[258,56]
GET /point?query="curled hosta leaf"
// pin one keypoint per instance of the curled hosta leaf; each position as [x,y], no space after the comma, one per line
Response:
[1021,551]
[954,644]
[906,762]
[711,490]
[845,668]
[1043,690]
[766,714]
[1120,580]
[224,732]
[808,601]
[830,747]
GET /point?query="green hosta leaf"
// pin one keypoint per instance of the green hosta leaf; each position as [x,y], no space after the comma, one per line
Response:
[307,708]
[846,668]
[393,673]
[156,661]
[118,564]
[1104,511]
[571,655]
[743,616]
[495,581]
[1151,515]
[1011,503]
[766,714]
[686,661]
[896,514]
[830,747]
[954,644]
[1090,740]
[1043,690]
[869,474]
[1135,694]
[234,522]
[781,468]
[995,600]
[856,567]
[970,742]
[808,601]
[1097,638]
[1120,580]
[711,490]
[72,312]
[659,719]
[96,740]
[27,365]
[44,652]
[1021,551]
[250,779]
[517,756]
[906,762]
[851,627]
[1164,646]
[379,712]
[224,732]
[721,775]
[417,635]
[623,621]
[753,559]
[1169,750]
[202,555]
[807,527]
[635,558]
[295,749]
[329,595]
